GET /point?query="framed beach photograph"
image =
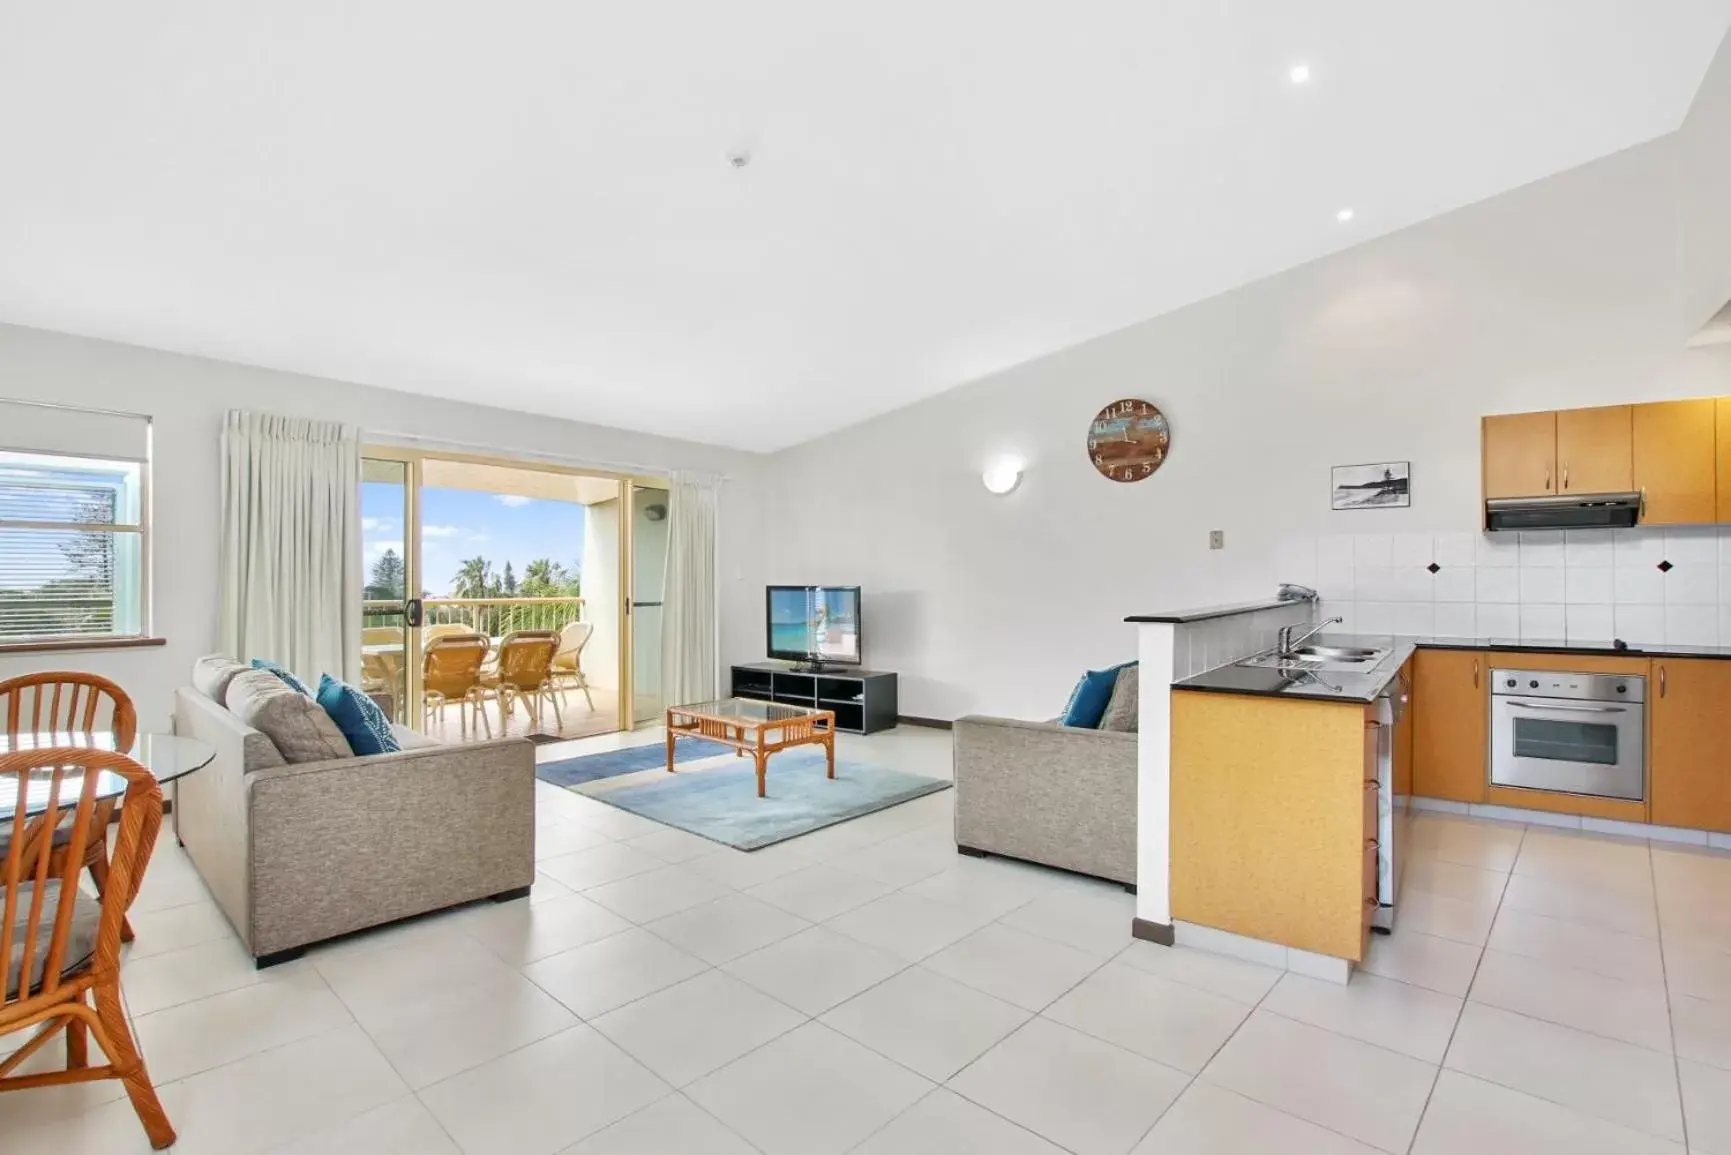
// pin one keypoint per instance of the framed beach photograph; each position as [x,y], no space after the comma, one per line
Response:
[1385,486]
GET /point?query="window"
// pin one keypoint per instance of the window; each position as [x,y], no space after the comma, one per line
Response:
[72,548]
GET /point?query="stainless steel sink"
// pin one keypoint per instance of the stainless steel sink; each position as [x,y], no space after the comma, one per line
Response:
[1339,653]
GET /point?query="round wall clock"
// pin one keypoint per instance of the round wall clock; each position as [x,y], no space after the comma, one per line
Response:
[1129,440]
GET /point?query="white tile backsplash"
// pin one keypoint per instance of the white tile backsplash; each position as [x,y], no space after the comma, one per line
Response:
[1588,585]
[1693,584]
[1540,583]
[1583,585]
[1499,586]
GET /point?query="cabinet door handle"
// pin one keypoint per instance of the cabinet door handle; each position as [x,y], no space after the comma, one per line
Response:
[1547,479]
[1372,844]
[1565,475]
[1661,681]
[1475,673]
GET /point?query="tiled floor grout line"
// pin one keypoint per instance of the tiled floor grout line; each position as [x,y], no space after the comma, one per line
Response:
[1670,1012]
[1460,1013]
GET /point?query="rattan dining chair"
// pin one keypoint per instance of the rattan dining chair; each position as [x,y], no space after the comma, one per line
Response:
[524,670]
[451,672]
[69,702]
[568,659]
[61,948]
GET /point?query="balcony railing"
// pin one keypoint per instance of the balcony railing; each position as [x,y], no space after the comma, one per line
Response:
[493,617]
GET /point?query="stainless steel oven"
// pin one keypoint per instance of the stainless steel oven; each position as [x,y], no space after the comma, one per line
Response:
[1574,733]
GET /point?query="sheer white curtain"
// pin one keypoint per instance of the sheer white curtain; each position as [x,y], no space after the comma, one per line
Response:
[291,543]
[689,644]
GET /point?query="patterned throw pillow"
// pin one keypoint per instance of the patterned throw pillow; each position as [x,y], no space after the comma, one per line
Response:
[1122,710]
[358,717]
[287,676]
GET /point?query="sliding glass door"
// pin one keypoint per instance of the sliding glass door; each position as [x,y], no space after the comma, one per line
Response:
[520,565]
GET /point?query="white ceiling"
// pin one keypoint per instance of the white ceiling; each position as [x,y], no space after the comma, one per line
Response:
[528,202]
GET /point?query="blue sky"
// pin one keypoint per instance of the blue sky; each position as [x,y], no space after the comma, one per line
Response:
[457,524]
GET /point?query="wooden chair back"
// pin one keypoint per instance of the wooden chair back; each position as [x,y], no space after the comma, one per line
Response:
[452,665]
[526,658]
[68,702]
[67,779]
[449,630]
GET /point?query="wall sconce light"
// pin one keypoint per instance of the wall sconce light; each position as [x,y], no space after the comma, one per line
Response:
[1002,476]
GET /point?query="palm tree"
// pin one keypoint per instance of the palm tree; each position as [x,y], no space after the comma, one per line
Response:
[473,579]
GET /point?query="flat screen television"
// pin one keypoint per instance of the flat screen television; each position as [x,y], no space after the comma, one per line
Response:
[815,624]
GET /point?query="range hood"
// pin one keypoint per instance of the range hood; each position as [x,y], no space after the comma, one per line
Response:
[1582,511]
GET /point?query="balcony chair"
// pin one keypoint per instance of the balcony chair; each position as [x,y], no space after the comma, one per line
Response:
[451,672]
[61,948]
[568,659]
[87,705]
[524,670]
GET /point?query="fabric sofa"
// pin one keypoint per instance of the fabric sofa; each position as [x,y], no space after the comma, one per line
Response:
[1044,792]
[297,853]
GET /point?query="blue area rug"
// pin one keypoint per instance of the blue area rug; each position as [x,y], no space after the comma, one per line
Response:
[569,772]
[720,802]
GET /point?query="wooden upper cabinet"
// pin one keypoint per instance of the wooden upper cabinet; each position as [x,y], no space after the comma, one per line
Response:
[1689,780]
[1724,439]
[1594,450]
[1520,454]
[1675,461]
[1450,724]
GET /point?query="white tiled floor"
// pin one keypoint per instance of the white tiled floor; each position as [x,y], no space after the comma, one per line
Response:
[863,989]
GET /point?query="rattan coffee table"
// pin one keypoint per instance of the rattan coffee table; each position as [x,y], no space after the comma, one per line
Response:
[753,727]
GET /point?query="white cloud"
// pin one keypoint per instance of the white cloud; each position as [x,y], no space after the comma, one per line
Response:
[442,531]
[375,524]
[512,500]
[377,549]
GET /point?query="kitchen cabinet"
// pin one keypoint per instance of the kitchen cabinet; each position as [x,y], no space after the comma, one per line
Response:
[1688,777]
[1520,454]
[1675,455]
[1450,724]
[1594,448]
[1723,440]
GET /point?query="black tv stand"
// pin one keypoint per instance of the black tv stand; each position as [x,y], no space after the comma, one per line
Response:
[864,701]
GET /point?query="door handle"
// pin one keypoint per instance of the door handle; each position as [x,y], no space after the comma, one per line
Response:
[1565,475]
[1661,681]
[1547,479]
[1567,709]
[1476,661]
[412,613]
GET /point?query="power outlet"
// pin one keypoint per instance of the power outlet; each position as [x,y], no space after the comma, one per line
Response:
[1216,539]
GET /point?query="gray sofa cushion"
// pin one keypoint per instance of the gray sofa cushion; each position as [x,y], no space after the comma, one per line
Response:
[81,940]
[211,675]
[1121,710]
[296,725]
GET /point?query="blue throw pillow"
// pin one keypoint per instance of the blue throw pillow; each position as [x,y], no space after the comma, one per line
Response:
[358,717]
[287,676]
[1089,699]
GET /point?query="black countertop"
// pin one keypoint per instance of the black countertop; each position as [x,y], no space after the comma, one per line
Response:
[1206,613]
[1363,686]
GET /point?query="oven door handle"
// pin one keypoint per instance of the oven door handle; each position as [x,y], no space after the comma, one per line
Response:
[1567,709]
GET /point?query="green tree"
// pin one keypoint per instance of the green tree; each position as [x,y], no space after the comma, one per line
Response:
[474,579]
[389,578]
[509,583]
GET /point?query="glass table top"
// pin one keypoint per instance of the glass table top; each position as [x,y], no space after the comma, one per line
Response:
[745,710]
[168,756]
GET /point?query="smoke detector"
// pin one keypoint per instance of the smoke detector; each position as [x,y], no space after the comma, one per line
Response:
[739,158]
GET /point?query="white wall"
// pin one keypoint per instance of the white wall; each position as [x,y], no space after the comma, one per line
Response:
[188,396]
[1578,290]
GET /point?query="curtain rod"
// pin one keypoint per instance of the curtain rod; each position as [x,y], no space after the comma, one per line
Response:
[75,408]
[422,441]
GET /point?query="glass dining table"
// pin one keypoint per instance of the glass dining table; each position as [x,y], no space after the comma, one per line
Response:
[167,756]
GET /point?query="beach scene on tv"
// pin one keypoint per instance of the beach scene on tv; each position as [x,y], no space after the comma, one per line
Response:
[822,624]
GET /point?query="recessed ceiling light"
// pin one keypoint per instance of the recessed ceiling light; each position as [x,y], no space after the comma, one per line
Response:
[1300,74]
[1343,215]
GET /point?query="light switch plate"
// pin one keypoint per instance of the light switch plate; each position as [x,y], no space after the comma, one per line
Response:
[1216,539]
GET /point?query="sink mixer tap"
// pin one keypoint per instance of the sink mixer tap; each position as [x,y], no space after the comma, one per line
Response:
[1286,643]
